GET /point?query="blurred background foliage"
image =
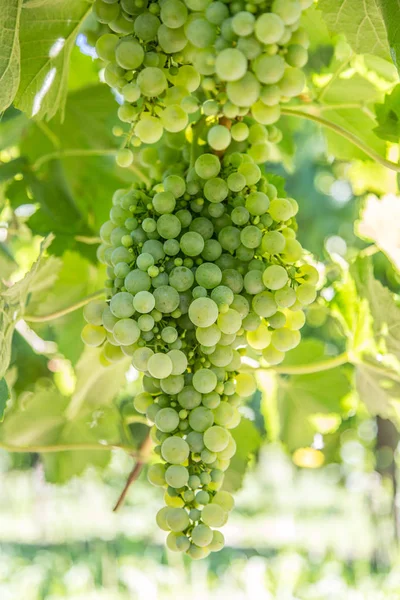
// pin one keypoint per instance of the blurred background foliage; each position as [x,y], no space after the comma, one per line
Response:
[317,461]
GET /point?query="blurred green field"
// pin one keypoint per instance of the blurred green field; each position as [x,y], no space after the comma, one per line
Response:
[295,535]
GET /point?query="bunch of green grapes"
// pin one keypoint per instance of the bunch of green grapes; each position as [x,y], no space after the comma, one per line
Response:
[204,268]
[142,66]
[232,59]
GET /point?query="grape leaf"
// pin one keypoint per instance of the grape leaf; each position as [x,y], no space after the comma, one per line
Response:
[10,12]
[384,310]
[75,278]
[380,393]
[362,23]
[12,305]
[388,116]
[4,396]
[390,11]
[300,397]
[248,441]
[379,218]
[12,125]
[47,36]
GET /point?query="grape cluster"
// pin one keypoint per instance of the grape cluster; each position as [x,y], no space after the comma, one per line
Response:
[174,61]
[203,268]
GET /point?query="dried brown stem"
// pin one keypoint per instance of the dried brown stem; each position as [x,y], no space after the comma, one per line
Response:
[144,450]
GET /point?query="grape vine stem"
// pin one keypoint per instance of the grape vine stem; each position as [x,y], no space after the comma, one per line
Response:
[63,311]
[302,114]
[86,152]
[315,367]
[144,451]
[39,449]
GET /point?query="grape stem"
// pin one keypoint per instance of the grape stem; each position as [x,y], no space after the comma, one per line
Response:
[63,311]
[39,449]
[294,112]
[308,369]
[144,452]
[86,152]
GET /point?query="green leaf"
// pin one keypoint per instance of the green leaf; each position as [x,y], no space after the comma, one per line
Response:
[390,11]
[10,12]
[12,304]
[388,116]
[300,397]
[248,441]
[379,218]
[384,310]
[103,424]
[47,35]
[380,393]
[362,125]
[74,278]
[360,21]
[4,396]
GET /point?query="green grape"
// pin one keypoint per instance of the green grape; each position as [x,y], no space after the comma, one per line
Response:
[166,299]
[137,281]
[175,184]
[189,398]
[223,414]
[244,91]
[202,497]
[201,33]
[177,518]
[292,82]
[204,381]
[285,339]
[230,64]
[149,129]
[216,438]
[219,137]
[275,277]
[296,56]
[141,357]
[216,189]
[269,28]
[152,81]
[246,385]
[257,203]
[144,302]
[175,450]
[93,335]
[161,518]
[217,12]
[203,312]
[213,515]
[195,441]
[229,451]
[197,553]
[174,118]
[181,278]
[306,293]
[173,384]
[105,12]
[260,338]
[146,26]
[145,322]
[288,10]
[243,23]
[176,476]
[211,400]
[200,419]
[173,13]
[285,297]
[124,157]
[156,474]
[167,420]
[217,542]
[112,353]
[229,322]
[126,332]
[208,275]
[239,132]
[129,54]
[253,282]
[93,312]
[105,46]
[272,355]
[171,40]
[179,361]
[202,535]
[159,365]
[224,500]
[121,305]
[192,243]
